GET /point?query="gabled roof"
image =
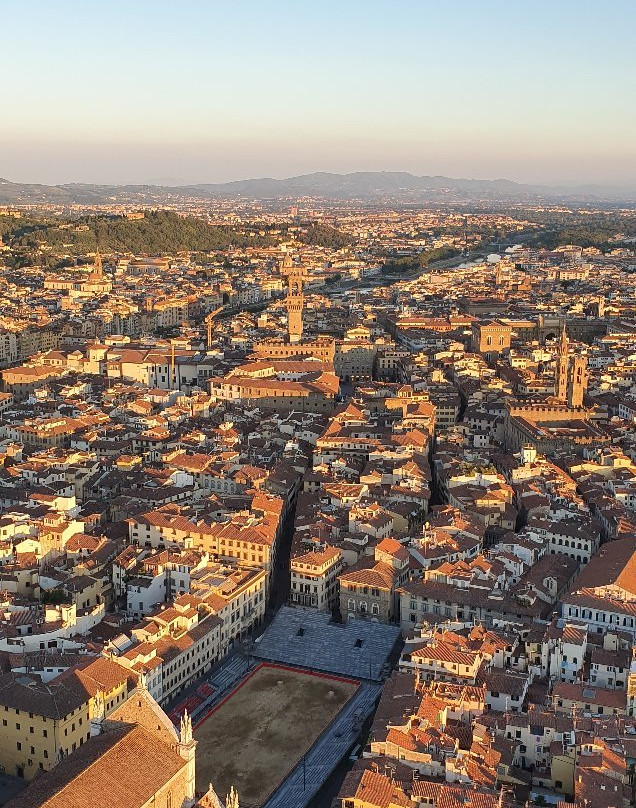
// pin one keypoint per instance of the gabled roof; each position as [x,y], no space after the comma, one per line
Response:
[123,768]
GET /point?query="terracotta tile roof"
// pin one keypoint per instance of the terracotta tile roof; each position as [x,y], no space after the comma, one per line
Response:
[102,674]
[584,694]
[317,557]
[393,547]
[443,652]
[377,791]
[100,775]
[404,740]
[508,682]
[427,789]
[53,700]
[379,575]
[615,565]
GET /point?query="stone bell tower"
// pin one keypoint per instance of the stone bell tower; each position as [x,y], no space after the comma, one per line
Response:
[571,375]
[577,382]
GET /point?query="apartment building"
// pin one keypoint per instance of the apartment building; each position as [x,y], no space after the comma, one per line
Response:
[172,647]
[236,594]
[248,538]
[314,578]
[369,587]
[43,723]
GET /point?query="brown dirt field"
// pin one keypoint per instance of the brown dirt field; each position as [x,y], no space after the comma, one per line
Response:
[255,738]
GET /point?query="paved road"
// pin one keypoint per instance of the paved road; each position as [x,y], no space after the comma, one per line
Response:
[328,793]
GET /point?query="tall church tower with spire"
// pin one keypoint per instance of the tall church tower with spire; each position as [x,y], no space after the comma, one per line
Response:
[563,361]
[295,301]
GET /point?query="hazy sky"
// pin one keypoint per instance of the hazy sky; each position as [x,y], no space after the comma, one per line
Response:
[206,91]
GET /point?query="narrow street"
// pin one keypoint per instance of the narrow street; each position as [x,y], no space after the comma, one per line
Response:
[279,591]
[277,597]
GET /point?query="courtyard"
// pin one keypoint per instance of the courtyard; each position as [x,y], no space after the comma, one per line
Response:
[256,736]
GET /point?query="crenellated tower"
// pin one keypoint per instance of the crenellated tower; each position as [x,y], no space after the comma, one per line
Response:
[295,301]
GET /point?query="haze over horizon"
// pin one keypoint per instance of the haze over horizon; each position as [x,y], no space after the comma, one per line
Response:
[216,94]
[177,182]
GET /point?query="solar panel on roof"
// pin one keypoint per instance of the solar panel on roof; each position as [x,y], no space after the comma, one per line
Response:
[589,694]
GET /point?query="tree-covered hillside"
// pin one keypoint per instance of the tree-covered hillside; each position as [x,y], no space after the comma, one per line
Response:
[602,229]
[324,235]
[409,263]
[159,232]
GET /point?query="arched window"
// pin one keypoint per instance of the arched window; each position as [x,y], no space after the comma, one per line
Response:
[169,799]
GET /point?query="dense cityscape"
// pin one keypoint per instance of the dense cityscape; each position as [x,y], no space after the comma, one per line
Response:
[318,404]
[321,504]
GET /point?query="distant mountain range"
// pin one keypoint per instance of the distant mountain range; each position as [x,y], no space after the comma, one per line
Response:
[371,186]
